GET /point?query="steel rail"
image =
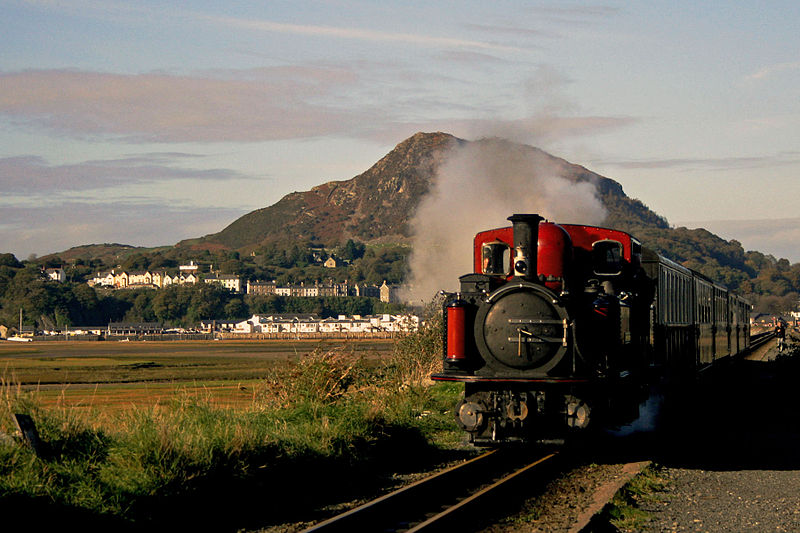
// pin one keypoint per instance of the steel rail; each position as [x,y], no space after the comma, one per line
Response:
[435,520]
[348,521]
[760,339]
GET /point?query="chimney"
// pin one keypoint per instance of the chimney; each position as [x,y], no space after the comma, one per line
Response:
[526,243]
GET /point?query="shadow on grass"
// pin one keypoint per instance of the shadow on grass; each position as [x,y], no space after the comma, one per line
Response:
[306,490]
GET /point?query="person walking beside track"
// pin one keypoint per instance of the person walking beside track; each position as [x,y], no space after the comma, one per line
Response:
[780,334]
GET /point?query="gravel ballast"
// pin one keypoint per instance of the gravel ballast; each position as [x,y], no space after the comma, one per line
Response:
[741,501]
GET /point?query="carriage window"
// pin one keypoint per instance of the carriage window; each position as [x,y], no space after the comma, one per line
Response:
[496,258]
[607,257]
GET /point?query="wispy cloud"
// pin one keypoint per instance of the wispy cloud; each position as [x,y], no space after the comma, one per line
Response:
[26,175]
[576,13]
[538,130]
[358,34]
[265,104]
[248,106]
[712,164]
[772,70]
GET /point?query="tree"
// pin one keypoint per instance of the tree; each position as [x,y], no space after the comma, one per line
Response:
[352,250]
[137,261]
[9,260]
[235,308]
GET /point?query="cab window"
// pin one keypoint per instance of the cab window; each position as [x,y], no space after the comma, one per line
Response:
[496,258]
[607,257]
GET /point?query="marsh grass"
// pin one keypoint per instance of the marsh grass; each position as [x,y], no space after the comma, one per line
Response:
[316,430]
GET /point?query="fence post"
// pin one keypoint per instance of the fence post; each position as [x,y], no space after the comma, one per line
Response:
[27,429]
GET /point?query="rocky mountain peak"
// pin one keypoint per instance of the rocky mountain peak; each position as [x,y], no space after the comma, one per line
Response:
[377,205]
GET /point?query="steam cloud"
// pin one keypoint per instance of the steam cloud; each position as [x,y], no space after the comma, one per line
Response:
[478,187]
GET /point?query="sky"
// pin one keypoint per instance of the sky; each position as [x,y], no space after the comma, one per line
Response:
[149,122]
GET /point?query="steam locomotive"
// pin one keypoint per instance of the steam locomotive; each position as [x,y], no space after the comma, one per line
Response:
[559,328]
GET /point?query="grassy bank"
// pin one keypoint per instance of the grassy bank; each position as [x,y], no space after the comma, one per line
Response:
[317,430]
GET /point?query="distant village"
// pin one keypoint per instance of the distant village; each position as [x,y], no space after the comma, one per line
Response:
[263,326]
[190,274]
[258,326]
[274,326]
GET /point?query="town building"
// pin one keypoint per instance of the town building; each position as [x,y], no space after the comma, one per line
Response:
[55,274]
[230,281]
[332,262]
[389,293]
[300,325]
[264,288]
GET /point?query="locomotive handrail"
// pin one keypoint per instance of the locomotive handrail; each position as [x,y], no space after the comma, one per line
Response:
[532,337]
[533,321]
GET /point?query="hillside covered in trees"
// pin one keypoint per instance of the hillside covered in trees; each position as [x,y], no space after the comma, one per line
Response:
[49,304]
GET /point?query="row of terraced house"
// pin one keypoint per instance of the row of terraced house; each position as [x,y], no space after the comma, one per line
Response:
[312,325]
[113,279]
[188,274]
[386,292]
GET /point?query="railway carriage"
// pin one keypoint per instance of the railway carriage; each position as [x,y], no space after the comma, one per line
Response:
[559,326]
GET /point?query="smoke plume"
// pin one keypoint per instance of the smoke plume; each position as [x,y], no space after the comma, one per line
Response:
[477,188]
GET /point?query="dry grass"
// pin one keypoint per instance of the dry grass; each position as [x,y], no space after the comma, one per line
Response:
[155,449]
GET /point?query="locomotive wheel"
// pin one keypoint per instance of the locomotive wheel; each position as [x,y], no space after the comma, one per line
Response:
[522,327]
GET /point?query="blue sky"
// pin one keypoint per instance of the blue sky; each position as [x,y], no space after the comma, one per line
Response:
[148,122]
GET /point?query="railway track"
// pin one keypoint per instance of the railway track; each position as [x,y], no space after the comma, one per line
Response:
[760,339]
[440,501]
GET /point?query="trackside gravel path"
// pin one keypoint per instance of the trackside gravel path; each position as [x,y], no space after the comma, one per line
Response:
[742,472]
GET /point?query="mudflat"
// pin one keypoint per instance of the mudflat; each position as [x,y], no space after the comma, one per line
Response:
[113,373]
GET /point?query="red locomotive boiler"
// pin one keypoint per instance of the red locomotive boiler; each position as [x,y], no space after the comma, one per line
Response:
[559,327]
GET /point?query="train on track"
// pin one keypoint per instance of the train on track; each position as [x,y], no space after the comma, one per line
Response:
[559,327]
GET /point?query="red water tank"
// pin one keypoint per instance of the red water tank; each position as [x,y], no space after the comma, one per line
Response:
[555,255]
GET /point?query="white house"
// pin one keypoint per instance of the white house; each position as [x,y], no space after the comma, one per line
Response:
[55,274]
[230,281]
[103,279]
[140,278]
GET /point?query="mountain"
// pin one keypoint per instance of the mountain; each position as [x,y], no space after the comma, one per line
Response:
[376,206]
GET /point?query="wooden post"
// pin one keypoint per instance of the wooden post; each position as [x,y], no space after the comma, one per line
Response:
[27,429]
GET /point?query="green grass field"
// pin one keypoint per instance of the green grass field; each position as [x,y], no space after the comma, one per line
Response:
[147,436]
[126,374]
